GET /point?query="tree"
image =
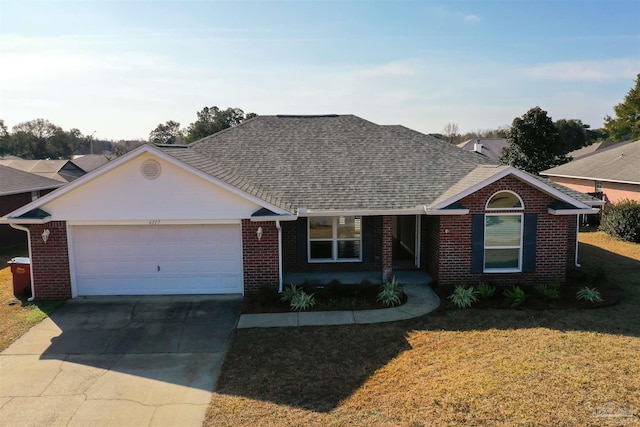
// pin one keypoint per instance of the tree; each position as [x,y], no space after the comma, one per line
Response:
[168,133]
[212,120]
[450,131]
[40,139]
[5,139]
[534,143]
[573,134]
[626,125]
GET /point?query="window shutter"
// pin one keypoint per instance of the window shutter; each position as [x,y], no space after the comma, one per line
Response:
[477,243]
[301,239]
[367,239]
[529,244]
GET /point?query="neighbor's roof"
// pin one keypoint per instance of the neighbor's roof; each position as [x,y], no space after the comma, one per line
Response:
[595,147]
[335,162]
[59,170]
[491,147]
[618,164]
[89,162]
[15,181]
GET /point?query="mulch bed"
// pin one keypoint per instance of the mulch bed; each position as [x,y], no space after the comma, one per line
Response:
[610,294]
[328,298]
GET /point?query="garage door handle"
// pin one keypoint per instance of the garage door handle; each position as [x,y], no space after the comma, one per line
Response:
[158,268]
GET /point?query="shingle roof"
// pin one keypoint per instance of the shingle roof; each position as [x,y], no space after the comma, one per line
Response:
[618,164]
[337,163]
[90,162]
[59,170]
[491,147]
[14,181]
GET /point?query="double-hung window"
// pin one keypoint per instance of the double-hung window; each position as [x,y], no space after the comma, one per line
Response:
[503,233]
[335,239]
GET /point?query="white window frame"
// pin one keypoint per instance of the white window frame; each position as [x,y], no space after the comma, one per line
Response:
[334,241]
[503,212]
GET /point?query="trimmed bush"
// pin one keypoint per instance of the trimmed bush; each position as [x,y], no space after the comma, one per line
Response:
[622,220]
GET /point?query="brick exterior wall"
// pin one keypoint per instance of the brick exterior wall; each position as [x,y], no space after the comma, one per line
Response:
[555,245]
[387,248]
[50,261]
[292,263]
[259,257]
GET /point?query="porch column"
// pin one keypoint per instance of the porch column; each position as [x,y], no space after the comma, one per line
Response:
[387,248]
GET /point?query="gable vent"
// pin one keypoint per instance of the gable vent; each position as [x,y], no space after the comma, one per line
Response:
[150,169]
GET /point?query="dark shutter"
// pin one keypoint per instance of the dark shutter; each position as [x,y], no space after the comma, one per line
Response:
[529,244]
[301,239]
[367,239]
[477,243]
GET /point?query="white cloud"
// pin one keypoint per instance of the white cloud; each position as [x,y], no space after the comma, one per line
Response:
[595,71]
[472,18]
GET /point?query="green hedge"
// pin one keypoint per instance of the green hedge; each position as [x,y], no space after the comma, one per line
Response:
[622,220]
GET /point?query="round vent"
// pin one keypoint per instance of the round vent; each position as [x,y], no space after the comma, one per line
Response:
[150,169]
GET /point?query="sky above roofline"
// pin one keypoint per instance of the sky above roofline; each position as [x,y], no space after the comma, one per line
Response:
[121,67]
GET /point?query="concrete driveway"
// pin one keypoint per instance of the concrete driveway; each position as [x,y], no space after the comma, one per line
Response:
[123,361]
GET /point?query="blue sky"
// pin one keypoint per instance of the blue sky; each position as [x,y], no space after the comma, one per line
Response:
[121,67]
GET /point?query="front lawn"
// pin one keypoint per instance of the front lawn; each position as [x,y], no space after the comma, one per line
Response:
[453,367]
[17,316]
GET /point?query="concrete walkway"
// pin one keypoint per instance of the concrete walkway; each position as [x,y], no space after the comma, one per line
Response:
[421,299]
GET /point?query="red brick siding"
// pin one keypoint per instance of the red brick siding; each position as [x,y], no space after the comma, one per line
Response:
[553,235]
[387,248]
[50,261]
[259,257]
[291,264]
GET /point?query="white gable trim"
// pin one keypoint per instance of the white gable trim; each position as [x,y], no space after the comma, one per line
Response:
[520,175]
[130,156]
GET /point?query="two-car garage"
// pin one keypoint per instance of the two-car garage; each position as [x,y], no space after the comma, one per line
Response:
[156,259]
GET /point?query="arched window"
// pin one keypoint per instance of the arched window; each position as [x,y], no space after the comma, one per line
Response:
[503,233]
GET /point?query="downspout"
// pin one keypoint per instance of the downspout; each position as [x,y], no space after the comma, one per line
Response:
[577,230]
[279,255]
[21,228]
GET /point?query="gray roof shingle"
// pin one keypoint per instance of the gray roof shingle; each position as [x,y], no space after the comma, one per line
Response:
[620,163]
[336,162]
[15,181]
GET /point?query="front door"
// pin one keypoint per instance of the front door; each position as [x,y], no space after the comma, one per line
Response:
[406,241]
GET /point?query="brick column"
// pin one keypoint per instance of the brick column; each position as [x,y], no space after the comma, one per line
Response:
[387,248]
[50,261]
[260,257]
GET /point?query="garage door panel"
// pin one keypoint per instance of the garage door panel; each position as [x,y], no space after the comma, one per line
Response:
[124,260]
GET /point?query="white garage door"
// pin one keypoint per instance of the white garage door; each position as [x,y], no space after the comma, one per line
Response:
[155,260]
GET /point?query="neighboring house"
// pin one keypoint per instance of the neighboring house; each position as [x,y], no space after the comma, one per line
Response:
[593,148]
[59,170]
[279,196]
[613,173]
[90,162]
[18,188]
[489,147]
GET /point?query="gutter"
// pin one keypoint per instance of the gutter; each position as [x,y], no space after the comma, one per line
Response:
[279,255]
[21,228]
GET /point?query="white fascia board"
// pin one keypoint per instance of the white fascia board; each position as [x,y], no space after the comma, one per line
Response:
[418,210]
[274,218]
[443,212]
[152,222]
[130,156]
[572,211]
[518,174]
[619,181]
[10,220]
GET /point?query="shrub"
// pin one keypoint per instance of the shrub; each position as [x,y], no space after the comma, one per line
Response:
[485,290]
[622,220]
[548,292]
[289,292]
[390,293]
[463,297]
[302,301]
[591,295]
[515,295]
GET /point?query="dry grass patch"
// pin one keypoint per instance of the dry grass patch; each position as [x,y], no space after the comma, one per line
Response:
[18,318]
[460,367]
